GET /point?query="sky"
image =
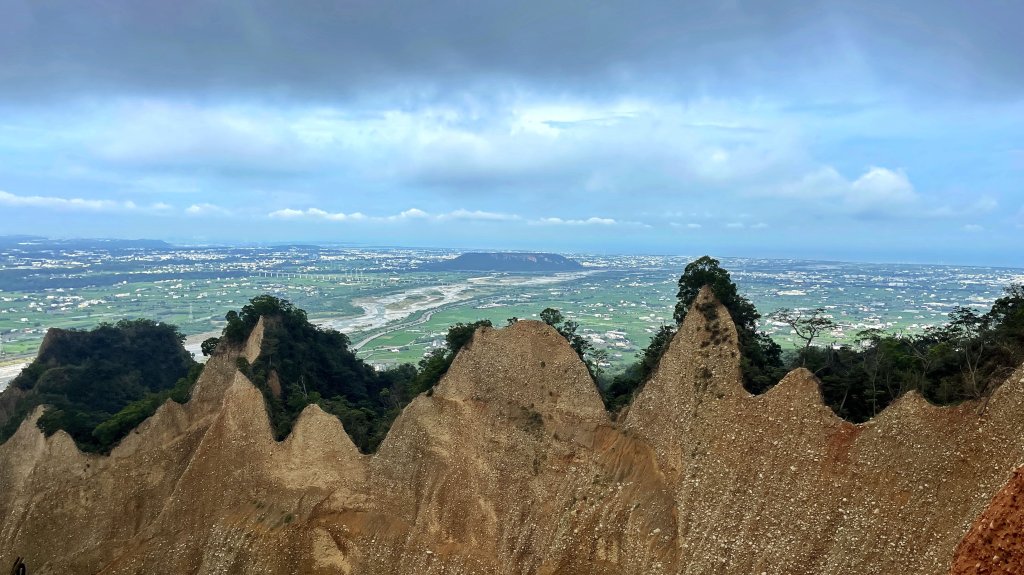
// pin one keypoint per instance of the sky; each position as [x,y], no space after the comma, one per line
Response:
[852,130]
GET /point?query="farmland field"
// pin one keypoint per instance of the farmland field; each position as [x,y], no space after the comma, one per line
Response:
[394,312]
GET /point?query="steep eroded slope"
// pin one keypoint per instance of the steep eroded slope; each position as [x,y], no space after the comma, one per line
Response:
[512,466]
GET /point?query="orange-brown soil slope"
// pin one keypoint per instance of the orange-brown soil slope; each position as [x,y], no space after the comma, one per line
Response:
[995,543]
[512,466]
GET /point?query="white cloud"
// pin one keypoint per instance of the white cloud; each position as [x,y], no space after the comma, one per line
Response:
[878,191]
[881,187]
[206,210]
[983,205]
[287,213]
[79,204]
[317,213]
[410,214]
[973,228]
[405,215]
[759,226]
[572,222]
[735,225]
[479,215]
[172,134]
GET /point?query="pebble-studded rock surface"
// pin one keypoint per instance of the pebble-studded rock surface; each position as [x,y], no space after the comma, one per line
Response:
[512,466]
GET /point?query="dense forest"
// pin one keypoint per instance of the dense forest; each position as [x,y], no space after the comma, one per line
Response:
[302,364]
[101,384]
[967,358]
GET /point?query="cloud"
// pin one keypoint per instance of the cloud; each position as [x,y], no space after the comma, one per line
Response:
[405,215]
[850,118]
[410,214]
[877,192]
[349,52]
[881,187]
[205,209]
[173,137]
[76,204]
[479,215]
[973,228]
[592,221]
[318,214]
[288,213]
[588,147]
[981,206]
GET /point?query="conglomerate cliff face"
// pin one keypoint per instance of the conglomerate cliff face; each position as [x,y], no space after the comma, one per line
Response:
[512,466]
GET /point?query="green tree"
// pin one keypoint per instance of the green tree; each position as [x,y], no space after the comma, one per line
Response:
[970,334]
[707,271]
[567,329]
[108,379]
[597,358]
[436,364]
[624,386]
[807,326]
[761,358]
[209,345]
[552,317]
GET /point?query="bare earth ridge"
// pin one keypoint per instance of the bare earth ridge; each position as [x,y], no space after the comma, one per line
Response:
[512,466]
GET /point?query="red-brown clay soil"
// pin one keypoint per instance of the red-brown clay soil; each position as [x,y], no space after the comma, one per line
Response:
[995,543]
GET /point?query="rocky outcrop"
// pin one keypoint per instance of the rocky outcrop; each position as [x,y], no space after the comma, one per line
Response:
[512,466]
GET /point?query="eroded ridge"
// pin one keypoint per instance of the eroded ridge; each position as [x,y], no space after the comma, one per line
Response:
[512,466]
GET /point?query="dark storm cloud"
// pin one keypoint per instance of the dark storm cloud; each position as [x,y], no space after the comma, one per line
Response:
[328,50]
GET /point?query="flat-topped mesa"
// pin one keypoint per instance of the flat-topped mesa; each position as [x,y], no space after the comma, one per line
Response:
[527,364]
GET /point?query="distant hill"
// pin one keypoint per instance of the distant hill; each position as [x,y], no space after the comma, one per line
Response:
[37,243]
[506,262]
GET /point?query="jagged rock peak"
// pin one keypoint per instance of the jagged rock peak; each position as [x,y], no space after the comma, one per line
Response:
[701,478]
[254,344]
[318,431]
[798,387]
[219,373]
[699,370]
[702,362]
[527,363]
